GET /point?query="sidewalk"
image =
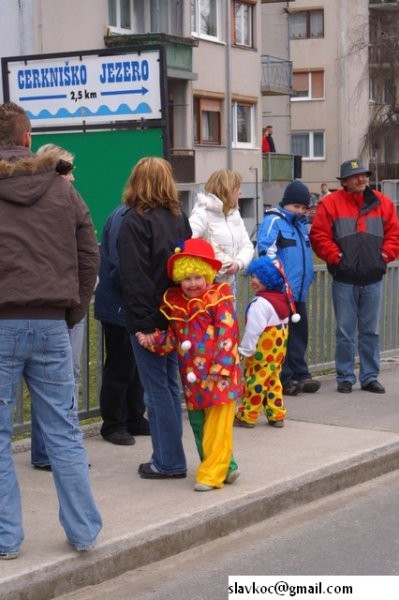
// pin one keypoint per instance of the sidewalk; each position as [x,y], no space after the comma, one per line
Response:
[330,441]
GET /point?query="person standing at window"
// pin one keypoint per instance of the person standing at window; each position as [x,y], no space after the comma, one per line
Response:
[267,140]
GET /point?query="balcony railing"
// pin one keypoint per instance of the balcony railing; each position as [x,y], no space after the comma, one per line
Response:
[383,171]
[179,53]
[276,76]
[280,167]
[388,3]
[320,352]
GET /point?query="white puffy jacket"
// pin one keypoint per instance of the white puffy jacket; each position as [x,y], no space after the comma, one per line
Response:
[226,233]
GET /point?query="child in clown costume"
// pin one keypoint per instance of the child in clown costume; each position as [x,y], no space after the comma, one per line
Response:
[203,329]
[264,344]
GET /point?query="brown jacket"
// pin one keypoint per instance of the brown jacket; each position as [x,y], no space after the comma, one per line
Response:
[49,255]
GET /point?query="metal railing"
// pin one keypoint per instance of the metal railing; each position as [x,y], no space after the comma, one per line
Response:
[321,345]
[276,76]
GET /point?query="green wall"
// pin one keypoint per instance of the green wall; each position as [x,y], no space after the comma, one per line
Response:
[104,161]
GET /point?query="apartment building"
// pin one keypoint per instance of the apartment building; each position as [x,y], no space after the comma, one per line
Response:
[330,108]
[383,133]
[213,74]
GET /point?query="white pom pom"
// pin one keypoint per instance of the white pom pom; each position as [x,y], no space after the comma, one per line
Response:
[295,318]
[186,345]
[191,377]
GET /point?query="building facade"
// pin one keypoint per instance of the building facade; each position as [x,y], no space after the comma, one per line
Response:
[330,108]
[213,56]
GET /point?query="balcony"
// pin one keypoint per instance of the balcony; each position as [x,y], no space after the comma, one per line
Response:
[179,53]
[280,167]
[381,4]
[382,170]
[276,76]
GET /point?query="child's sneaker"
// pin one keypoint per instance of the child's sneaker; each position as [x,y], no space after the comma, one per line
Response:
[239,423]
[202,487]
[276,423]
[232,476]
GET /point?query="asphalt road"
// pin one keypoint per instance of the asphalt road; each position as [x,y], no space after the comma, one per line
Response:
[355,532]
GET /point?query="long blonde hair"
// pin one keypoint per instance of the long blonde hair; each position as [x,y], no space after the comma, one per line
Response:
[151,184]
[223,184]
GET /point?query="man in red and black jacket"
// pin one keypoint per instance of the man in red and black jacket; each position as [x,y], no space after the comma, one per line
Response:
[356,231]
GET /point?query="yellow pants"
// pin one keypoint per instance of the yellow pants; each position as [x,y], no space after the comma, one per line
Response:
[213,432]
[263,389]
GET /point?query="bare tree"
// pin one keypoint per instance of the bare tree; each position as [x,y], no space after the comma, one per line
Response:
[381,138]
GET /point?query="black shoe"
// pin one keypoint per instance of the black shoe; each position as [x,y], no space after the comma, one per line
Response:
[292,389]
[48,467]
[344,387]
[146,472]
[374,386]
[309,385]
[121,438]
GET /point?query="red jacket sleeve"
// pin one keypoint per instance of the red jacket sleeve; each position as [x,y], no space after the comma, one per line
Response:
[321,237]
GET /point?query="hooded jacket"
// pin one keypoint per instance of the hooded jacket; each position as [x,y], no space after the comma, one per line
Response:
[226,233]
[356,234]
[284,234]
[48,251]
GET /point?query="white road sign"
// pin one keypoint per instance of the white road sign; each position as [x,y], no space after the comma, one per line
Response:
[90,89]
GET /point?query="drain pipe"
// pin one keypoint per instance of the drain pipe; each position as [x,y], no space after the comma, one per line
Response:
[229,132]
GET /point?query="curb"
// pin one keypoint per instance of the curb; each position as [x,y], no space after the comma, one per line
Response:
[136,550]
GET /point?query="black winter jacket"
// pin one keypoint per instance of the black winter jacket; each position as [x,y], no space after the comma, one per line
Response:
[145,243]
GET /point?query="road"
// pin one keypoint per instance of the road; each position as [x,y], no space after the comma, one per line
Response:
[355,532]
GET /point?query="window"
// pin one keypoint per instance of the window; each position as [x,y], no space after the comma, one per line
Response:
[205,18]
[308,85]
[146,16]
[207,121]
[120,14]
[306,24]
[243,115]
[308,144]
[242,23]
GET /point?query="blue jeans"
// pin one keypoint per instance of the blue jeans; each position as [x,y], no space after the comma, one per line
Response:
[40,352]
[38,451]
[162,397]
[357,310]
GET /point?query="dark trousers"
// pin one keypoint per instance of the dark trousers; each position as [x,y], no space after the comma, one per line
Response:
[295,366]
[121,397]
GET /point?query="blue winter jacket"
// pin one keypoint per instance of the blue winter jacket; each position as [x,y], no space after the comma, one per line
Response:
[108,301]
[284,234]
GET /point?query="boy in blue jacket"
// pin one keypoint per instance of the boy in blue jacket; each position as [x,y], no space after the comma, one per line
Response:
[284,234]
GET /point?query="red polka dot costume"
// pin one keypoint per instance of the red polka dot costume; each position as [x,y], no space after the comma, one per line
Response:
[263,347]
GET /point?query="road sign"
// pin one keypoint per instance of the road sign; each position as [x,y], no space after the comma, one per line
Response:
[76,89]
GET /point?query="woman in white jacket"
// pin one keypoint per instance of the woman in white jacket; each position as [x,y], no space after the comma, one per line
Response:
[216,218]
